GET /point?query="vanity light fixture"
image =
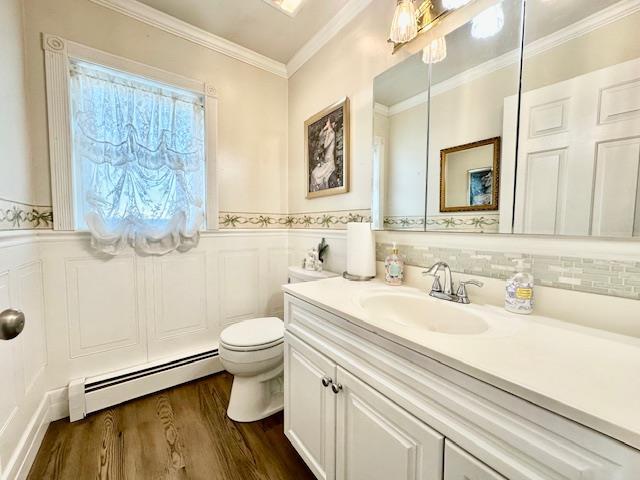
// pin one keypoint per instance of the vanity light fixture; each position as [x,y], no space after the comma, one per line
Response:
[404,26]
[453,4]
[436,51]
[488,23]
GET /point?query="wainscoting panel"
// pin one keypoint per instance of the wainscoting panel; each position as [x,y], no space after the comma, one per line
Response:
[103,311]
[239,282]
[117,313]
[180,313]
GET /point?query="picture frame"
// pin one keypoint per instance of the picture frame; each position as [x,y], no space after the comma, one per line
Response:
[326,151]
[492,166]
[478,191]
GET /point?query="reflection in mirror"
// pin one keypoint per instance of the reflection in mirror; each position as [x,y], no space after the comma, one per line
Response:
[400,146]
[473,123]
[579,141]
[469,176]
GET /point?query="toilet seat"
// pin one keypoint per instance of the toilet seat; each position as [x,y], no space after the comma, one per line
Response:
[253,335]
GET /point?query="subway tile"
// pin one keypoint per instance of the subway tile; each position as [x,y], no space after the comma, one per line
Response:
[567,272]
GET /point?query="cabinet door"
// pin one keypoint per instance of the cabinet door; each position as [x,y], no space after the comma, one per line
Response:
[459,465]
[376,439]
[310,406]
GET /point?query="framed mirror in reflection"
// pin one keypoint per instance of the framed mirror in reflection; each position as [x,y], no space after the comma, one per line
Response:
[469,176]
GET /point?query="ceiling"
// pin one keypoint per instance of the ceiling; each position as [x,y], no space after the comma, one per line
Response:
[254,24]
[544,17]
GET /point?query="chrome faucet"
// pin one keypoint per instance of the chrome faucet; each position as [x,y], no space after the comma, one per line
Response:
[446,293]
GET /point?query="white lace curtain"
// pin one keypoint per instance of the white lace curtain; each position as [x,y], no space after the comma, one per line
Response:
[139,161]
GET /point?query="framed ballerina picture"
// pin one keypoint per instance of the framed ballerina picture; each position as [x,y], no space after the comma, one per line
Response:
[326,151]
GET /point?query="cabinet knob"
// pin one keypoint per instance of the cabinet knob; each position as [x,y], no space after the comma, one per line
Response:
[326,381]
[336,387]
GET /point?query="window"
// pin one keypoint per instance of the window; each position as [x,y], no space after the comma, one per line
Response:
[130,147]
[138,153]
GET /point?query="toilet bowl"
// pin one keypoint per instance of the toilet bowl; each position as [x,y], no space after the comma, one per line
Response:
[253,352]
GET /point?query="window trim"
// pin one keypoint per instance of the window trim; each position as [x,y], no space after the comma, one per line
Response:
[58,54]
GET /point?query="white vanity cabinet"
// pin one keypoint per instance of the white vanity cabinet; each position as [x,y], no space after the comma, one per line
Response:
[346,430]
[359,406]
[459,465]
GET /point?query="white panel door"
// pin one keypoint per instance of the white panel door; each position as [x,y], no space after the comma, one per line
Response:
[578,117]
[616,194]
[8,356]
[378,440]
[310,406]
[459,465]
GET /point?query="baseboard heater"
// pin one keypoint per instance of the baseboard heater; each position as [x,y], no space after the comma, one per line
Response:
[88,395]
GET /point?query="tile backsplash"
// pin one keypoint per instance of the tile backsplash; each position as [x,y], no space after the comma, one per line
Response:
[604,277]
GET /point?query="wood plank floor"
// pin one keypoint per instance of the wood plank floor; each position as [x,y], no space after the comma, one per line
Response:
[180,433]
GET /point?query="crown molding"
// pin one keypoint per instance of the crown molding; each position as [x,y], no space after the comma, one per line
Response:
[347,13]
[381,109]
[170,24]
[612,13]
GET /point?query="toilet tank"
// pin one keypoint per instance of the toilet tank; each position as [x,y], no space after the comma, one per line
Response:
[299,274]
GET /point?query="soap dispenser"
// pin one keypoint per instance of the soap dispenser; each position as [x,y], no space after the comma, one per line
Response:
[519,290]
[394,267]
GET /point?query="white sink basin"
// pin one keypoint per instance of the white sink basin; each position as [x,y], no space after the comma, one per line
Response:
[422,311]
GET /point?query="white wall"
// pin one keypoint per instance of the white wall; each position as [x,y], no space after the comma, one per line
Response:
[406,170]
[252,106]
[16,177]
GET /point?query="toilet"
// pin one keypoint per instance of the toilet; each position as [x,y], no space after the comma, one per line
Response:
[253,352]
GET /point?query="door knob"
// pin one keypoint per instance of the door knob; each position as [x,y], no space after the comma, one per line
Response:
[326,381]
[11,323]
[336,387]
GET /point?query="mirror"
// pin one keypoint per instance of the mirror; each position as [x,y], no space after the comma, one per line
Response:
[557,101]
[469,178]
[579,142]
[400,145]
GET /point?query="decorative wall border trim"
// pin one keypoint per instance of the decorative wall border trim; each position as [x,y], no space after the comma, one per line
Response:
[24,216]
[488,223]
[617,278]
[337,219]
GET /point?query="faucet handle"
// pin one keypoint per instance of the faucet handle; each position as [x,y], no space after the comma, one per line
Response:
[435,287]
[461,293]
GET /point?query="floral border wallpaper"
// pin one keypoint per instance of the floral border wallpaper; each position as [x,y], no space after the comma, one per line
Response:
[461,223]
[338,219]
[330,220]
[23,216]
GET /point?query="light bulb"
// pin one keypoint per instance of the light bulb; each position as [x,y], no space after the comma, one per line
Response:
[453,4]
[488,23]
[404,27]
[436,51]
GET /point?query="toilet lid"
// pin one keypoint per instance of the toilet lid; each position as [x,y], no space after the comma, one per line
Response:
[253,333]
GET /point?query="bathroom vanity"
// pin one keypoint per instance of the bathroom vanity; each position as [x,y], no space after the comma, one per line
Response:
[388,383]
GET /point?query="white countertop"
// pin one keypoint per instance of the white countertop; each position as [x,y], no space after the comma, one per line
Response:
[587,375]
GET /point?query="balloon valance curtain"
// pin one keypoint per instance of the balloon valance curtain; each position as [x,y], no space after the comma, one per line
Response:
[139,161]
